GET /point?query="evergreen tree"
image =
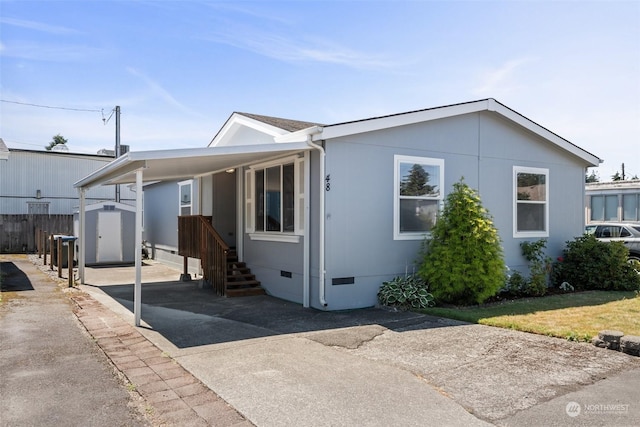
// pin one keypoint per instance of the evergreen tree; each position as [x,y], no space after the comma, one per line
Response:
[57,140]
[592,177]
[463,261]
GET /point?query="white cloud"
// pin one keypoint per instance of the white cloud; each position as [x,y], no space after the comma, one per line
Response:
[38,26]
[161,92]
[303,50]
[502,79]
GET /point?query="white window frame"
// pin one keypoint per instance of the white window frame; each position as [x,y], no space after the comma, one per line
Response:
[398,159]
[190,204]
[298,194]
[535,171]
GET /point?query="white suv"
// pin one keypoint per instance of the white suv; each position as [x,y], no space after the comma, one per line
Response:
[626,232]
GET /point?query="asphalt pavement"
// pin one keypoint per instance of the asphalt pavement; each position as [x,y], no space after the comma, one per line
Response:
[269,362]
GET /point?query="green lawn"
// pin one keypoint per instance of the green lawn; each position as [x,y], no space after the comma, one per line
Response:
[576,316]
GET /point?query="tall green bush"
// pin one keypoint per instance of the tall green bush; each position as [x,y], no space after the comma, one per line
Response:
[588,263]
[462,260]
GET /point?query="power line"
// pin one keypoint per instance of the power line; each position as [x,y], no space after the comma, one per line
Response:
[51,107]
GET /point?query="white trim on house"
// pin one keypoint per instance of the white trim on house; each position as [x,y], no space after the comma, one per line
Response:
[403,119]
[516,201]
[164,165]
[236,122]
[397,160]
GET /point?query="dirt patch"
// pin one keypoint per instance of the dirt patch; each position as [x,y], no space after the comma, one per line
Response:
[350,338]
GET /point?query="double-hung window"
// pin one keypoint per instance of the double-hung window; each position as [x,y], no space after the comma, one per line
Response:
[531,202]
[274,197]
[418,195]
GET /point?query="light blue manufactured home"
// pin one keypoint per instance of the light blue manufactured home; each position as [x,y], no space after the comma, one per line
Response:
[323,214]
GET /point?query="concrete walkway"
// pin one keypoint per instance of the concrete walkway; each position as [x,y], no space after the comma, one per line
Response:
[52,374]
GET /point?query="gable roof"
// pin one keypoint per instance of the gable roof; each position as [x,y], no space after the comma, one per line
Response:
[285,124]
[265,129]
[402,119]
[273,136]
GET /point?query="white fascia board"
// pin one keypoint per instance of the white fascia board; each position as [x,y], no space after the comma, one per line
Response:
[161,164]
[301,135]
[237,120]
[532,126]
[108,171]
[371,125]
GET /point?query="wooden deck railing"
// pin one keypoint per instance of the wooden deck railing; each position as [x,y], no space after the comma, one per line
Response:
[198,239]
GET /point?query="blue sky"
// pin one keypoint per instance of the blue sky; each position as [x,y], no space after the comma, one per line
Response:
[178,69]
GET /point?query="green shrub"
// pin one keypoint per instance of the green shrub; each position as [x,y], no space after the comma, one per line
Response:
[589,264]
[515,285]
[539,266]
[409,292]
[463,261]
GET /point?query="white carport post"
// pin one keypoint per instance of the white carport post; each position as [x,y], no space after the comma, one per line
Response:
[137,291]
[81,231]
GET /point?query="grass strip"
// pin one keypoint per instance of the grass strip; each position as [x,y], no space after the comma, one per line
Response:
[575,316]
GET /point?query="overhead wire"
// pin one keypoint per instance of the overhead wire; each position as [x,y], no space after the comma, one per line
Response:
[51,107]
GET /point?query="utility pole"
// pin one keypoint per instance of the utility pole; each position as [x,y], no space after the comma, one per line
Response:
[117,148]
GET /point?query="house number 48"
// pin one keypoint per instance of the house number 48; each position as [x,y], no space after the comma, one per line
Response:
[327,181]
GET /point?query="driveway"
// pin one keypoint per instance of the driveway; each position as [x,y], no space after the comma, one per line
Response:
[280,364]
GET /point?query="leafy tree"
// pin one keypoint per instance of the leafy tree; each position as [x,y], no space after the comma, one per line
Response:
[415,184]
[57,140]
[592,177]
[616,177]
[463,260]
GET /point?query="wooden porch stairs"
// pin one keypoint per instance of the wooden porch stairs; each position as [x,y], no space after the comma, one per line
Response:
[240,281]
[220,266]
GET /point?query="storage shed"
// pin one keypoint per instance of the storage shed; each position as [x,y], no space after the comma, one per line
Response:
[110,233]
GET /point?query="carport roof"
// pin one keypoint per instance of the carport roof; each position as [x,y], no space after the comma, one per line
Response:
[176,164]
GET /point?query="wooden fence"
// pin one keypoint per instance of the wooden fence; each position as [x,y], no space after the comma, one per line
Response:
[18,232]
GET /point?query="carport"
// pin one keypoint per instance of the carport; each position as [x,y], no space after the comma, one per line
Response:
[161,165]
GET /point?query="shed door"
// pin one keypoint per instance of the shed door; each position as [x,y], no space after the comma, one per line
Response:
[109,237]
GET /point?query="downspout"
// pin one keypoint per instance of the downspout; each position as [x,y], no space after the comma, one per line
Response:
[321,212]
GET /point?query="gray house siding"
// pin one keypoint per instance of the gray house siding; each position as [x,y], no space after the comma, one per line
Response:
[359,205]
[161,222]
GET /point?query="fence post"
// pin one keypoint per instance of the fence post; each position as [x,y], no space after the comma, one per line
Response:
[51,246]
[71,244]
[59,256]
[38,242]
[44,247]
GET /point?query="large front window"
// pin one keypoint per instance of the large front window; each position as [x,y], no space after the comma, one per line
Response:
[531,202]
[275,198]
[418,195]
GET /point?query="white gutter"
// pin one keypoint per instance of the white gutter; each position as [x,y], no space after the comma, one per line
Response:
[321,212]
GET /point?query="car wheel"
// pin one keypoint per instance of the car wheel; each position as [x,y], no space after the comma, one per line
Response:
[634,261]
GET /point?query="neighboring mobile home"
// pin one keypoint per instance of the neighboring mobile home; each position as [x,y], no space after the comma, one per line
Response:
[323,214]
[617,201]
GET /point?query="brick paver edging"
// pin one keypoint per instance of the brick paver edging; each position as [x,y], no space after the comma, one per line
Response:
[176,396]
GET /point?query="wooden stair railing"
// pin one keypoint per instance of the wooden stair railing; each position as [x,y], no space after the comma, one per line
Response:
[198,239]
[220,266]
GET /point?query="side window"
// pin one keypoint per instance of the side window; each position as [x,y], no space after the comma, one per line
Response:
[185,194]
[624,232]
[418,195]
[531,202]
